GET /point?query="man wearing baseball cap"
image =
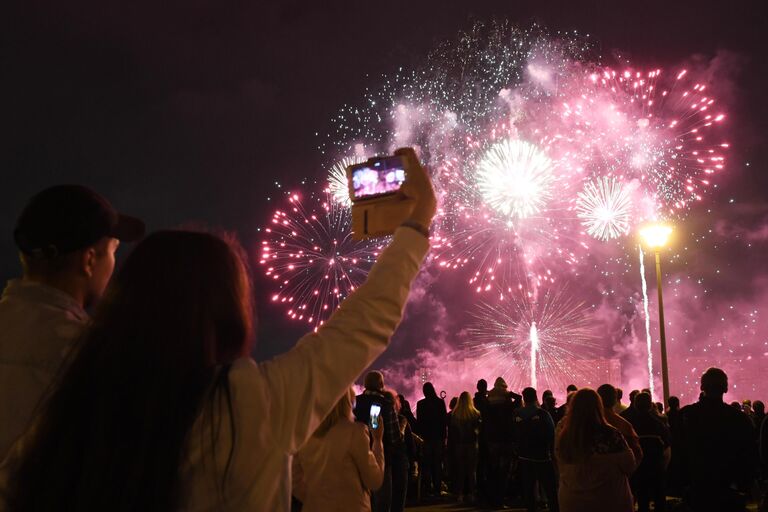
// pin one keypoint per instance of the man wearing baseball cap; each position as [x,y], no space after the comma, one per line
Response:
[67,236]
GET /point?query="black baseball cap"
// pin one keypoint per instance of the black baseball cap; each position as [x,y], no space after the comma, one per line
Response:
[66,218]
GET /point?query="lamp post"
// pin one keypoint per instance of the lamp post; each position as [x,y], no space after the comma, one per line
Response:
[655,237]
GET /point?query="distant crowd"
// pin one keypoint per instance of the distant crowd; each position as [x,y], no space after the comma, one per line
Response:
[499,448]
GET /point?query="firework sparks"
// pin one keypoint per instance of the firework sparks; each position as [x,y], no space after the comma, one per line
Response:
[309,253]
[647,126]
[605,207]
[621,146]
[544,338]
[647,317]
[338,186]
[515,178]
[533,338]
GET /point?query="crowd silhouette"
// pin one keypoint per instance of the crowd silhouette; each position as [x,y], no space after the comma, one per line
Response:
[500,449]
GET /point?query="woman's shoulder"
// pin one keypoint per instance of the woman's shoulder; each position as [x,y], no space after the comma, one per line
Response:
[248,382]
[243,364]
[349,427]
[243,372]
[351,431]
[243,368]
[354,426]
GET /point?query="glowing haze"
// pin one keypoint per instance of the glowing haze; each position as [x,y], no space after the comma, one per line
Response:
[546,159]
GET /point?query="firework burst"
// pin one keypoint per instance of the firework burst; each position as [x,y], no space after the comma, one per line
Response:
[605,208]
[660,130]
[309,253]
[515,178]
[528,340]
[338,186]
[621,146]
[454,93]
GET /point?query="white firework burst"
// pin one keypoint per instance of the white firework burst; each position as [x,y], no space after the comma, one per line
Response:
[337,180]
[515,178]
[605,208]
[546,341]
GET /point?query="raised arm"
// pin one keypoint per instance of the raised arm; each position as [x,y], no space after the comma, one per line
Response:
[305,383]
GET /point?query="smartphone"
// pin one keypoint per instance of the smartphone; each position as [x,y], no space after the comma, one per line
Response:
[375,413]
[377,177]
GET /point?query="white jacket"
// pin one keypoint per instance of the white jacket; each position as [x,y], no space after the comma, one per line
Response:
[338,470]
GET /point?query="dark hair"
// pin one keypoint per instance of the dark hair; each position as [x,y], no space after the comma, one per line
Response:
[482,385]
[529,395]
[584,419]
[714,382]
[44,264]
[374,381]
[674,402]
[571,387]
[619,394]
[394,399]
[643,402]
[113,432]
[607,395]
[429,390]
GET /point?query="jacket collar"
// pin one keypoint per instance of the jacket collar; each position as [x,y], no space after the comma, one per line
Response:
[32,291]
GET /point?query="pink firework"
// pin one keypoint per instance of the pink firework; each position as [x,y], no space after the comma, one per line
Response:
[490,246]
[635,125]
[658,139]
[309,253]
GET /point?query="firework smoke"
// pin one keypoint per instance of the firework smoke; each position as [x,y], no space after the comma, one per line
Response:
[546,159]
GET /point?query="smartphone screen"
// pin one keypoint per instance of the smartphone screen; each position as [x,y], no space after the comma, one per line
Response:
[377,177]
[375,412]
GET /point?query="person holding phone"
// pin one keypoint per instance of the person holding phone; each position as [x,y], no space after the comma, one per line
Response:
[374,399]
[161,407]
[341,463]
[374,415]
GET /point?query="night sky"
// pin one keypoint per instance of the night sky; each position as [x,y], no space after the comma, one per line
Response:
[189,113]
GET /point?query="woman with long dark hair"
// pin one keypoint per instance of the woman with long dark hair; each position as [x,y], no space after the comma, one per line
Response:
[161,408]
[593,458]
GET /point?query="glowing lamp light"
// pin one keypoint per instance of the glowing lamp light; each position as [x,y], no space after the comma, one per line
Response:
[656,236]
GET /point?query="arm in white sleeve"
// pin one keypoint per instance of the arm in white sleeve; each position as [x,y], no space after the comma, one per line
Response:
[305,383]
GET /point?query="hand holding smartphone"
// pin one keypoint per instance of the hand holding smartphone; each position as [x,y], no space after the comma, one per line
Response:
[387,191]
[376,428]
[375,414]
[377,177]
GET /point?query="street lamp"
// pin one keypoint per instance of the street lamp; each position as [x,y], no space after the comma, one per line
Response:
[655,237]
